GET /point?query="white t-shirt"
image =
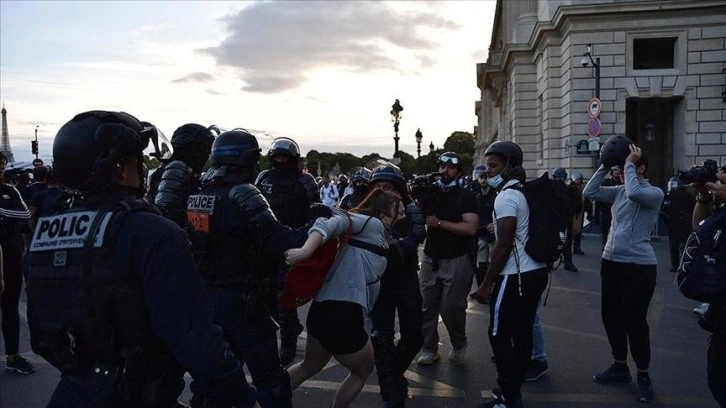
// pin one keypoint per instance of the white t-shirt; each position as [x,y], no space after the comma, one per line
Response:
[512,203]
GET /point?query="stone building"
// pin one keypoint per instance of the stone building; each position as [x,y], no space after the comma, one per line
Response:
[662,81]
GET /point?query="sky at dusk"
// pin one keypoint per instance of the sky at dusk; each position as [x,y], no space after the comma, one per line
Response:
[323,73]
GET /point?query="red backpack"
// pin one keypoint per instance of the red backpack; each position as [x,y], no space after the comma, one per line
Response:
[303,280]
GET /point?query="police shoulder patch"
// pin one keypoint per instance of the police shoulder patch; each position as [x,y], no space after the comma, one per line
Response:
[199,208]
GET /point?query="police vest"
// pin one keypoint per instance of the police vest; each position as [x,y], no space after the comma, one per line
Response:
[227,254]
[85,317]
[286,195]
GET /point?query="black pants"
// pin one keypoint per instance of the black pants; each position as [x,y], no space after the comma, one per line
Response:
[626,292]
[675,245]
[717,356]
[9,300]
[567,248]
[399,292]
[510,327]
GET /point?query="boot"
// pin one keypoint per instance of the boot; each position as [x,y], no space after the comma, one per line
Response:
[388,376]
[290,329]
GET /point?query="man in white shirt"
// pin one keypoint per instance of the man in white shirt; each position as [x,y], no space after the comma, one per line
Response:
[329,193]
[514,281]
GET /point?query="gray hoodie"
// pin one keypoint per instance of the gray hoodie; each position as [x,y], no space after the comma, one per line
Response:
[635,208]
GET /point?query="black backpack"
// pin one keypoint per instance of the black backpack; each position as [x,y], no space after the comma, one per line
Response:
[549,217]
[702,272]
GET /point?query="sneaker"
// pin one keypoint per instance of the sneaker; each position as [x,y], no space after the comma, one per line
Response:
[535,370]
[613,374]
[498,401]
[457,356]
[19,365]
[701,310]
[569,266]
[427,357]
[645,388]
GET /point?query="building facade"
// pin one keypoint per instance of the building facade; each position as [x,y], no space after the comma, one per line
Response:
[662,82]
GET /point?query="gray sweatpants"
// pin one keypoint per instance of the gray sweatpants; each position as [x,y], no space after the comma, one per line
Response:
[445,292]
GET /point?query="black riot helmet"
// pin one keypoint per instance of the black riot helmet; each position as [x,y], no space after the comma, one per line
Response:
[509,151]
[192,133]
[360,175]
[236,148]
[615,150]
[284,146]
[388,172]
[559,173]
[87,149]
[192,143]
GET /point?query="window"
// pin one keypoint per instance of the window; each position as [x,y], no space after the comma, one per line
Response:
[654,53]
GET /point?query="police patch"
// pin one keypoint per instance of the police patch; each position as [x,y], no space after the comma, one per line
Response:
[199,209]
[67,231]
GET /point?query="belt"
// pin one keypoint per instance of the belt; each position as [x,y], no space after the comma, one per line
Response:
[368,247]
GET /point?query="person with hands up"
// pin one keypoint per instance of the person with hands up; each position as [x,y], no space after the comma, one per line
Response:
[628,268]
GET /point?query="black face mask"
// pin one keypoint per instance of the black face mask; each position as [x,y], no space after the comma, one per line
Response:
[288,166]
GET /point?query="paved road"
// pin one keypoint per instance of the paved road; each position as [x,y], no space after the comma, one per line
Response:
[576,347]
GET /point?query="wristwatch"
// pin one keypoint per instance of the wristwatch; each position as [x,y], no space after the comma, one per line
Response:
[438,224]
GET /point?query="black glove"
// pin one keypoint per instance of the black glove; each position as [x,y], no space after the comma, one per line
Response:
[318,210]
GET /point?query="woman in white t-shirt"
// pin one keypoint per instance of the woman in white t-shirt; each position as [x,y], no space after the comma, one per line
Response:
[514,281]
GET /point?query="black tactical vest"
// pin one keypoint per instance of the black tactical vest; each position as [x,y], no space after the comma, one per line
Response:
[286,195]
[226,258]
[89,320]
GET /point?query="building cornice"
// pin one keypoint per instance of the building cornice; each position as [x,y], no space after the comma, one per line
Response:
[561,23]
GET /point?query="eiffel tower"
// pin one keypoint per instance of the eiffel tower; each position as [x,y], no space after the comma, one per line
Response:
[5,141]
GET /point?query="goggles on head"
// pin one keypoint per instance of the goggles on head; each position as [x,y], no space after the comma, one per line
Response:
[453,160]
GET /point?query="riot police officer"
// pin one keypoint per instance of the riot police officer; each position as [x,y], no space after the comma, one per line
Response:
[399,292]
[174,181]
[290,193]
[119,314]
[241,232]
[359,183]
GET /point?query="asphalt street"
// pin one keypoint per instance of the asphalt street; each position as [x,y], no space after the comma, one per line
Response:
[575,341]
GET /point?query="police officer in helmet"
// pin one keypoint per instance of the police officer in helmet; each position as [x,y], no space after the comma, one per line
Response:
[399,293]
[242,234]
[113,313]
[290,193]
[359,182]
[178,178]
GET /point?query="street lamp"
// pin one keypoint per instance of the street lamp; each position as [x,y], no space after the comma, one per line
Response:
[431,147]
[396,116]
[586,59]
[419,137]
[35,142]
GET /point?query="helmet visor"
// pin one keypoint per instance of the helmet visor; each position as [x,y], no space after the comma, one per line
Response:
[447,159]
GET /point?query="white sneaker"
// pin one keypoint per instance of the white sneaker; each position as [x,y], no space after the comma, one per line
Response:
[701,310]
[457,356]
[427,357]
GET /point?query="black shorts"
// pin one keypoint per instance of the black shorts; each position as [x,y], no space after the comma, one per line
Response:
[338,326]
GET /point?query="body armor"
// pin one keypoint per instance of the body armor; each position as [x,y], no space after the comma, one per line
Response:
[289,195]
[89,320]
[176,184]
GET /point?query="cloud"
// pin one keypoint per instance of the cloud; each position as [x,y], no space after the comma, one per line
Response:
[194,77]
[273,45]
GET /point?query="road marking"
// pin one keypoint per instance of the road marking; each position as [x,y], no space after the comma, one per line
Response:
[625,399]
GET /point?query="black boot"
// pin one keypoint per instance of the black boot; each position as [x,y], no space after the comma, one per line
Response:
[290,329]
[388,377]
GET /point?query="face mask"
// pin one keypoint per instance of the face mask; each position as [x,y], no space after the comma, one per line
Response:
[495,181]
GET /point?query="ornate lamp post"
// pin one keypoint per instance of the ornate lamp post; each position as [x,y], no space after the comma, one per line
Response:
[419,137]
[396,116]
[431,147]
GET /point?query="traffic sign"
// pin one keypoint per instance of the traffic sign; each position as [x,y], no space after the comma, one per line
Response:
[594,107]
[594,127]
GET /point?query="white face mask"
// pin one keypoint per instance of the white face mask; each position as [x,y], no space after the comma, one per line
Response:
[495,181]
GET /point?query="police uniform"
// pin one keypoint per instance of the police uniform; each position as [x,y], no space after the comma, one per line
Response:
[114,300]
[241,232]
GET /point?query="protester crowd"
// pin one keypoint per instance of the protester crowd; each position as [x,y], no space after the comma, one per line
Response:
[130,286]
